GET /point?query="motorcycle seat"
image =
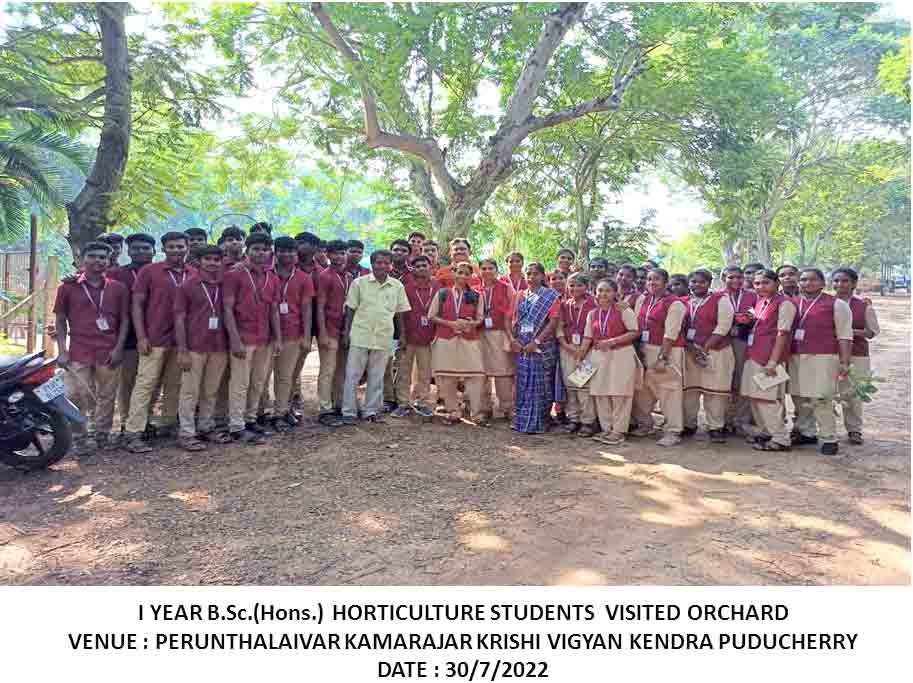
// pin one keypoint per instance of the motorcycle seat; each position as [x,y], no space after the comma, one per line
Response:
[12,365]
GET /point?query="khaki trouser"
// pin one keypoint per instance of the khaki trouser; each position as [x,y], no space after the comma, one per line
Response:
[389,381]
[666,388]
[413,377]
[504,390]
[614,413]
[447,390]
[297,383]
[199,387]
[84,379]
[160,365]
[580,407]
[284,378]
[768,416]
[221,409]
[127,381]
[739,410]
[816,411]
[331,378]
[714,409]
[245,386]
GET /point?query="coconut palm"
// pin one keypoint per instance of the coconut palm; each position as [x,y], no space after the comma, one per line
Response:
[34,164]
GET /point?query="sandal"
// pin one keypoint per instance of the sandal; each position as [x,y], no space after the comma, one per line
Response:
[137,445]
[192,444]
[214,437]
[770,446]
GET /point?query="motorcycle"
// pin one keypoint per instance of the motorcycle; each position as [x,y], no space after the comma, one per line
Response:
[35,413]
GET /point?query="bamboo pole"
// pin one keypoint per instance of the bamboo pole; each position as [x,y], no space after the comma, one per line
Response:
[50,295]
[33,276]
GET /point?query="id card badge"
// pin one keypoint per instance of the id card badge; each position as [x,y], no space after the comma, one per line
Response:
[645,336]
[751,339]
[489,323]
[799,335]
[213,323]
[691,333]
[423,321]
[575,339]
[102,324]
[283,307]
[526,329]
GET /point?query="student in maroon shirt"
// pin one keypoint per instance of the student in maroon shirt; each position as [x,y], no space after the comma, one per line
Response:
[308,246]
[400,251]
[196,240]
[252,322]
[141,250]
[296,290]
[415,342]
[202,349]
[416,240]
[116,242]
[232,244]
[91,330]
[153,319]
[355,250]
[332,288]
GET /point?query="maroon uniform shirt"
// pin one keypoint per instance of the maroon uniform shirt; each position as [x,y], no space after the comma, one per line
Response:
[295,296]
[158,282]
[83,305]
[200,300]
[254,295]
[334,286]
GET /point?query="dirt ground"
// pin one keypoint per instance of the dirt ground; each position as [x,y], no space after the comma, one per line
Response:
[399,504]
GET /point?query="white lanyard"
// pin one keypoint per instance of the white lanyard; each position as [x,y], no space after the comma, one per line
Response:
[653,302]
[487,296]
[803,316]
[254,285]
[212,300]
[345,282]
[735,302]
[694,309]
[285,286]
[101,298]
[570,308]
[423,304]
[457,302]
[604,322]
[174,279]
[766,303]
[517,285]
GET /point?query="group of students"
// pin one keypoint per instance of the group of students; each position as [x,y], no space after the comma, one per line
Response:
[218,335]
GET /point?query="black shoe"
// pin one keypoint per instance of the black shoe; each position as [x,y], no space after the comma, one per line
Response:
[855,438]
[802,440]
[829,448]
[246,436]
[389,406]
[717,435]
[378,418]
[290,419]
[255,427]
[688,432]
[572,427]
[280,426]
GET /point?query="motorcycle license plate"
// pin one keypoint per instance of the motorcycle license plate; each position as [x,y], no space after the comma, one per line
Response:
[51,389]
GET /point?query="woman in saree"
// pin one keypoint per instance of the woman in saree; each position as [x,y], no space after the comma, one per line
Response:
[536,315]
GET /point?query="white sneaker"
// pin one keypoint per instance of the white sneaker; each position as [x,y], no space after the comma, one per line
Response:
[669,440]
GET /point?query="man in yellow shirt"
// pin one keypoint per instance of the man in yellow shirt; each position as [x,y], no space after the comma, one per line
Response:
[371,304]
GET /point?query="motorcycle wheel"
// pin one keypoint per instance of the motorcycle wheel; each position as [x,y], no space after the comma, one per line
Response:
[51,441]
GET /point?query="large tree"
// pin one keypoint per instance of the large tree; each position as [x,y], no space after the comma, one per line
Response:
[444,95]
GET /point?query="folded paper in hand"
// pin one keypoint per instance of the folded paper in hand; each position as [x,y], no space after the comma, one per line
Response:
[582,374]
[765,381]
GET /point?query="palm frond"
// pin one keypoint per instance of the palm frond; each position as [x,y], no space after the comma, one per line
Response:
[13,221]
[38,180]
[56,143]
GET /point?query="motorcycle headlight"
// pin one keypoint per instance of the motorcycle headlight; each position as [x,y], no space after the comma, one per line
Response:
[15,397]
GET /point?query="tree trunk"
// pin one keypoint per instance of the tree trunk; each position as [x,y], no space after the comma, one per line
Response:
[89,213]
[763,251]
[583,217]
[458,216]
[802,250]
[729,253]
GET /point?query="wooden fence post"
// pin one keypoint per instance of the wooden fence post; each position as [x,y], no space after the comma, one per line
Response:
[50,295]
[5,330]
[33,276]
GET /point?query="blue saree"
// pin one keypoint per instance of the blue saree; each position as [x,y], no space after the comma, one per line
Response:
[535,371]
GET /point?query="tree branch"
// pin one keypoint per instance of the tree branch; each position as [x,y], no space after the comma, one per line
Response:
[527,87]
[426,149]
[609,102]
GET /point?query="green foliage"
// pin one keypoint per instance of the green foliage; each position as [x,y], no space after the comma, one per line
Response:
[861,385]
[894,72]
